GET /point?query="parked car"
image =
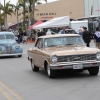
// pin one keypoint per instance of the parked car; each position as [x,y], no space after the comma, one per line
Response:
[63,51]
[9,46]
[70,31]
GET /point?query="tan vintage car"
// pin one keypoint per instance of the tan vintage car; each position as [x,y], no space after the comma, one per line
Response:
[63,51]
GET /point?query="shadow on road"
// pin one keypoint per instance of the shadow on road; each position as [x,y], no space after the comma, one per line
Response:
[9,57]
[64,74]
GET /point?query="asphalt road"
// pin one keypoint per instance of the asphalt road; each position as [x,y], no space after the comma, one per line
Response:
[18,82]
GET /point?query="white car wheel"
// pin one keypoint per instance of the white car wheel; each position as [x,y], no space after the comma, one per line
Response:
[32,65]
[34,68]
[50,72]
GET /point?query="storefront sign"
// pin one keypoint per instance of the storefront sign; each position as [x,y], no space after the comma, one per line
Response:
[45,14]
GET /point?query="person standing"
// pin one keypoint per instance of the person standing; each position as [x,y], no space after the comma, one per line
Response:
[39,33]
[25,36]
[43,32]
[86,37]
[63,31]
[80,31]
[97,38]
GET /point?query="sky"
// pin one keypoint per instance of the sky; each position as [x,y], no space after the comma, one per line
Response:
[15,1]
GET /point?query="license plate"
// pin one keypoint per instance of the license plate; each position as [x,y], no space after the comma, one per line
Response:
[78,66]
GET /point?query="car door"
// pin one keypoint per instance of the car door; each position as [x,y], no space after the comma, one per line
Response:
[38,52]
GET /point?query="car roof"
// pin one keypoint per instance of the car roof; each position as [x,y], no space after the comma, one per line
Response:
[4,33]
[58,35]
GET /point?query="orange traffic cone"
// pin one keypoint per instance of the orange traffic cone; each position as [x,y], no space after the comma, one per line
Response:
[34,41]
[28,41]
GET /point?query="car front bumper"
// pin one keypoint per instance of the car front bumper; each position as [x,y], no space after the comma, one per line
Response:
[16,54]
[72,65]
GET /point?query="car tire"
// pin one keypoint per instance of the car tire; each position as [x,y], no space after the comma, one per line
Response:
[94,70]
[19,55]
[34,68]
[50,72]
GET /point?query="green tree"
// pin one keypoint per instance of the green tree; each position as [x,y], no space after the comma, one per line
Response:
[1,19]
[22,3]
[17,8]
[33,8]
[7,10]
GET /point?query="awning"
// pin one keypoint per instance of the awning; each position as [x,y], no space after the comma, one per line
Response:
[37,23]
[56,22]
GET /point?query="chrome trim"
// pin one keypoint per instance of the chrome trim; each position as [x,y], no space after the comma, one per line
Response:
[71,58]
[69,65]
[2,55]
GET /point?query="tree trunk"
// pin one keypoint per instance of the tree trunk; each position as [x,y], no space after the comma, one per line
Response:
[17,20]
[6,25]
[30,8]
[24,14]
[33,9]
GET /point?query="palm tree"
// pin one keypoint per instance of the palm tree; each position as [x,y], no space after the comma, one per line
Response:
[22,3]
[33,8]
[7,10]
[1,19]
[17,8]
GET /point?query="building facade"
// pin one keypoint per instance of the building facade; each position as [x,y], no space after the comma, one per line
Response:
[72,8]
[92,7]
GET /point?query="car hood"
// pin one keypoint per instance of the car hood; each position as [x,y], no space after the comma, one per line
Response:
[71,50]
[6,42]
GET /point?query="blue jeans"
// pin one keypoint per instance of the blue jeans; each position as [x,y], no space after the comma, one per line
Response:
[19,40]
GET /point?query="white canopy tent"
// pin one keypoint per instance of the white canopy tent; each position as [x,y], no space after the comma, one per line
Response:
[55,22]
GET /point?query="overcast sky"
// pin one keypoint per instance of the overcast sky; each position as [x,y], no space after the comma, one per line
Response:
[14,1]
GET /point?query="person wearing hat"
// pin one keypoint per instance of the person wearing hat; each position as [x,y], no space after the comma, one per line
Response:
[86,37]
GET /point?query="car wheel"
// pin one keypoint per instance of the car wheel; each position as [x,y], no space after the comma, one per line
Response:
[34,68]
[94,70]
[19,55]
[50,72]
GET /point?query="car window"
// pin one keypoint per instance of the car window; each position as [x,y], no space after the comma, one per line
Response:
[8,36]
[2,37]
[39,43]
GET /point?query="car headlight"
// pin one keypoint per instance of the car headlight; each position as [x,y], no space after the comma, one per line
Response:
[54,59]
[17,46]
[98,56]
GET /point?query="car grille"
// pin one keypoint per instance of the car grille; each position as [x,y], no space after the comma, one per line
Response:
[9,50]
[76,58]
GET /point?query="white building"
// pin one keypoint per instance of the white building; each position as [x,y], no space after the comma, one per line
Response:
[91,7]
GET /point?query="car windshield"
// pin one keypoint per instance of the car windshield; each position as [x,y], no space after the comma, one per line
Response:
[63,41]
[8,36]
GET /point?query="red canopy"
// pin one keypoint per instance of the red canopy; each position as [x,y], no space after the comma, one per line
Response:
[37,23]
